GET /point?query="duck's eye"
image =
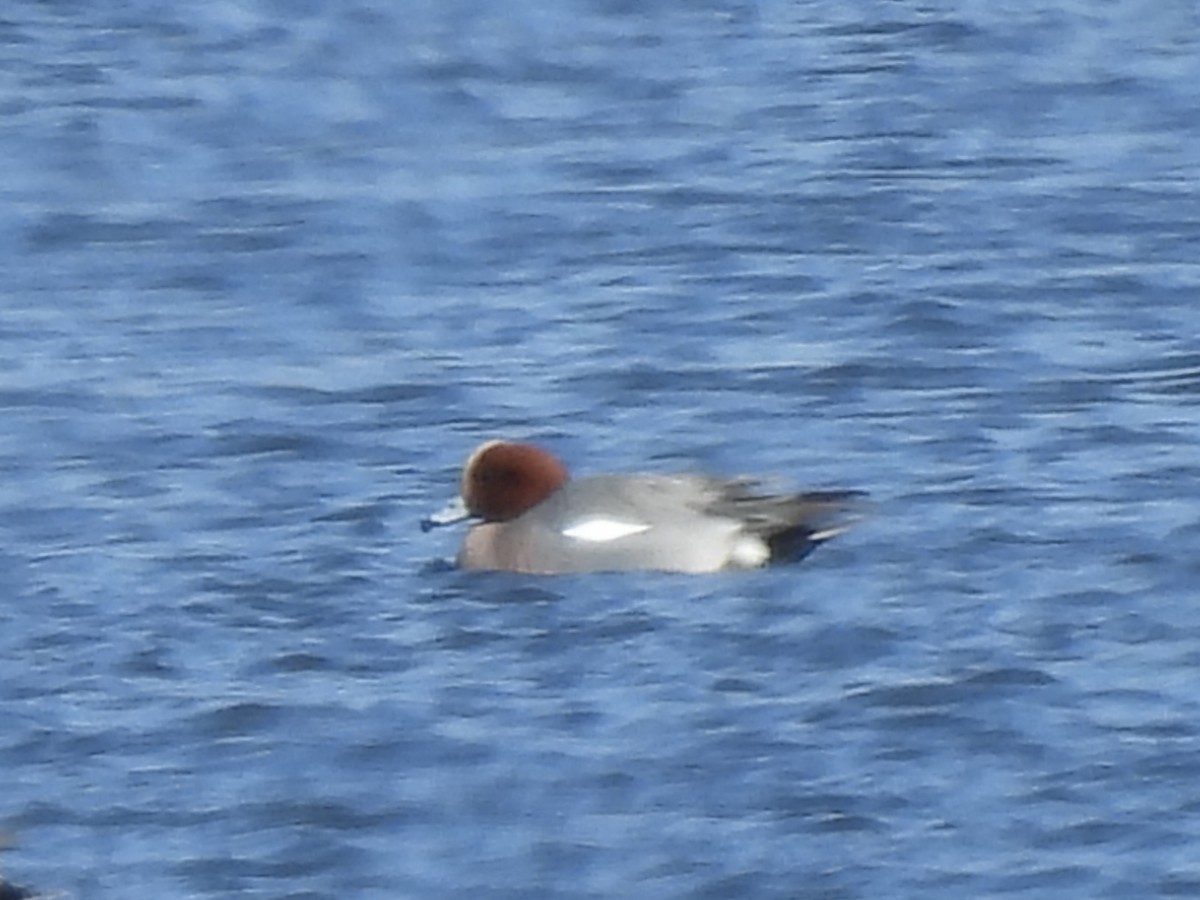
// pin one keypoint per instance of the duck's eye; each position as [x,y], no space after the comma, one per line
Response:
[497,476]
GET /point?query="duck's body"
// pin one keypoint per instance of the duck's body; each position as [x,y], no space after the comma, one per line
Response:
[537,520]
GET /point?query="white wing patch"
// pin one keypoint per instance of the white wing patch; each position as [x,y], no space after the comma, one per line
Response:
[599,530]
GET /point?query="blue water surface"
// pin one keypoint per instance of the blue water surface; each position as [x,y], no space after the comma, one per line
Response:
[272,269]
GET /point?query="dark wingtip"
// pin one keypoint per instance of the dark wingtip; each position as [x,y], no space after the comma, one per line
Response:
[10,891]
[829,514]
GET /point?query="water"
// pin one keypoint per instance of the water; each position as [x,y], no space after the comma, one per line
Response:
[272,269]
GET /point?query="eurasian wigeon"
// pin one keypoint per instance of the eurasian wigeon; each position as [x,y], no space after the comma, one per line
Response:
[535,519]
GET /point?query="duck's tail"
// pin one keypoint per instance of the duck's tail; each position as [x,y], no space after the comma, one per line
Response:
[800,523]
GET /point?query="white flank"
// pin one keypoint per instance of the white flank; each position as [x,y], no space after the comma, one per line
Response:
[750,552]
[600,530]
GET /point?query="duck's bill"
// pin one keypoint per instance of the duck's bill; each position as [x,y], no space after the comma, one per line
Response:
[454,511]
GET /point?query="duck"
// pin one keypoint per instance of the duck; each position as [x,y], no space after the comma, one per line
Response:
[532,517]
